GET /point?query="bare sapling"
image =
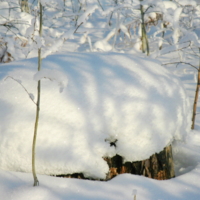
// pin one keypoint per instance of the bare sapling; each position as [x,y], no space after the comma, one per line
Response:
[196,97]
[24,6]
[145,43]
[194,112]
[36,182]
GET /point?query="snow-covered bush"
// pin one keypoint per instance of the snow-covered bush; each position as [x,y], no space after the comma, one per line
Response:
[60,23]
[98,26]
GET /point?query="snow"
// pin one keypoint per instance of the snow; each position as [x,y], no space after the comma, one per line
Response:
[85,15]
[109,97]
[170,5]
[187,2]
[91,99]
[52,75]
[18,186]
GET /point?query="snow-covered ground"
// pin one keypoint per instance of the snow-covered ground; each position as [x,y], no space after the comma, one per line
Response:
[61,149]
[84,108]
[18,186]
[106,97]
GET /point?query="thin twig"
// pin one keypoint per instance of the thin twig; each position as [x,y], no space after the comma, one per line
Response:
[100,5]
[180,62]
[177,49]
[22,87]
[194,52]
[78,27]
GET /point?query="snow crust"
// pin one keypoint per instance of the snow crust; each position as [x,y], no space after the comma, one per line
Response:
[109,97]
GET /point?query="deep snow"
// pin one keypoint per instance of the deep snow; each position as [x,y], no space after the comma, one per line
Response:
[18,186]
[108,97]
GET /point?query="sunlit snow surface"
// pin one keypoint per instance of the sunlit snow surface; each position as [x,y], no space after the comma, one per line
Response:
[108,97]
[18,186]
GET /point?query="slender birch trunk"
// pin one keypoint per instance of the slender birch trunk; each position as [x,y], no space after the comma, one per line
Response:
[24,6]
[36,182]
[196,97]
[145,43]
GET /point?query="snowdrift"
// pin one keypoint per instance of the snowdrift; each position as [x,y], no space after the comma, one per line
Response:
[109,97]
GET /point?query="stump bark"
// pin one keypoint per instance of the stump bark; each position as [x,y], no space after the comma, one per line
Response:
[159,166]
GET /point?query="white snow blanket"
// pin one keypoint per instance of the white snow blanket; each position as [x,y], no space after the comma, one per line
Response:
[109,97]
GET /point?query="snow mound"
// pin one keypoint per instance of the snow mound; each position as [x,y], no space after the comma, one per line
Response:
[110,97]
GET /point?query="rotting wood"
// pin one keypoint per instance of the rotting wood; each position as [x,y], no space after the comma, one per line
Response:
[159,166]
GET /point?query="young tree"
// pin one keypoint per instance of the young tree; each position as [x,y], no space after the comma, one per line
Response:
[145,43]
[196,96]
[36,182]
[24,6]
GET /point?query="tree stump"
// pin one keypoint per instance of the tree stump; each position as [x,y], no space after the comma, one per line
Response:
[159,166]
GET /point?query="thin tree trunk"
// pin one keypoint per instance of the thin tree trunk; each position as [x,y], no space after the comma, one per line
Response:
[196,97]
[24,6]
[145,43]
[36,182]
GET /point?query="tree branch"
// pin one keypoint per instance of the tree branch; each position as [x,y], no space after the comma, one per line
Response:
[21,86]
[180,62]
